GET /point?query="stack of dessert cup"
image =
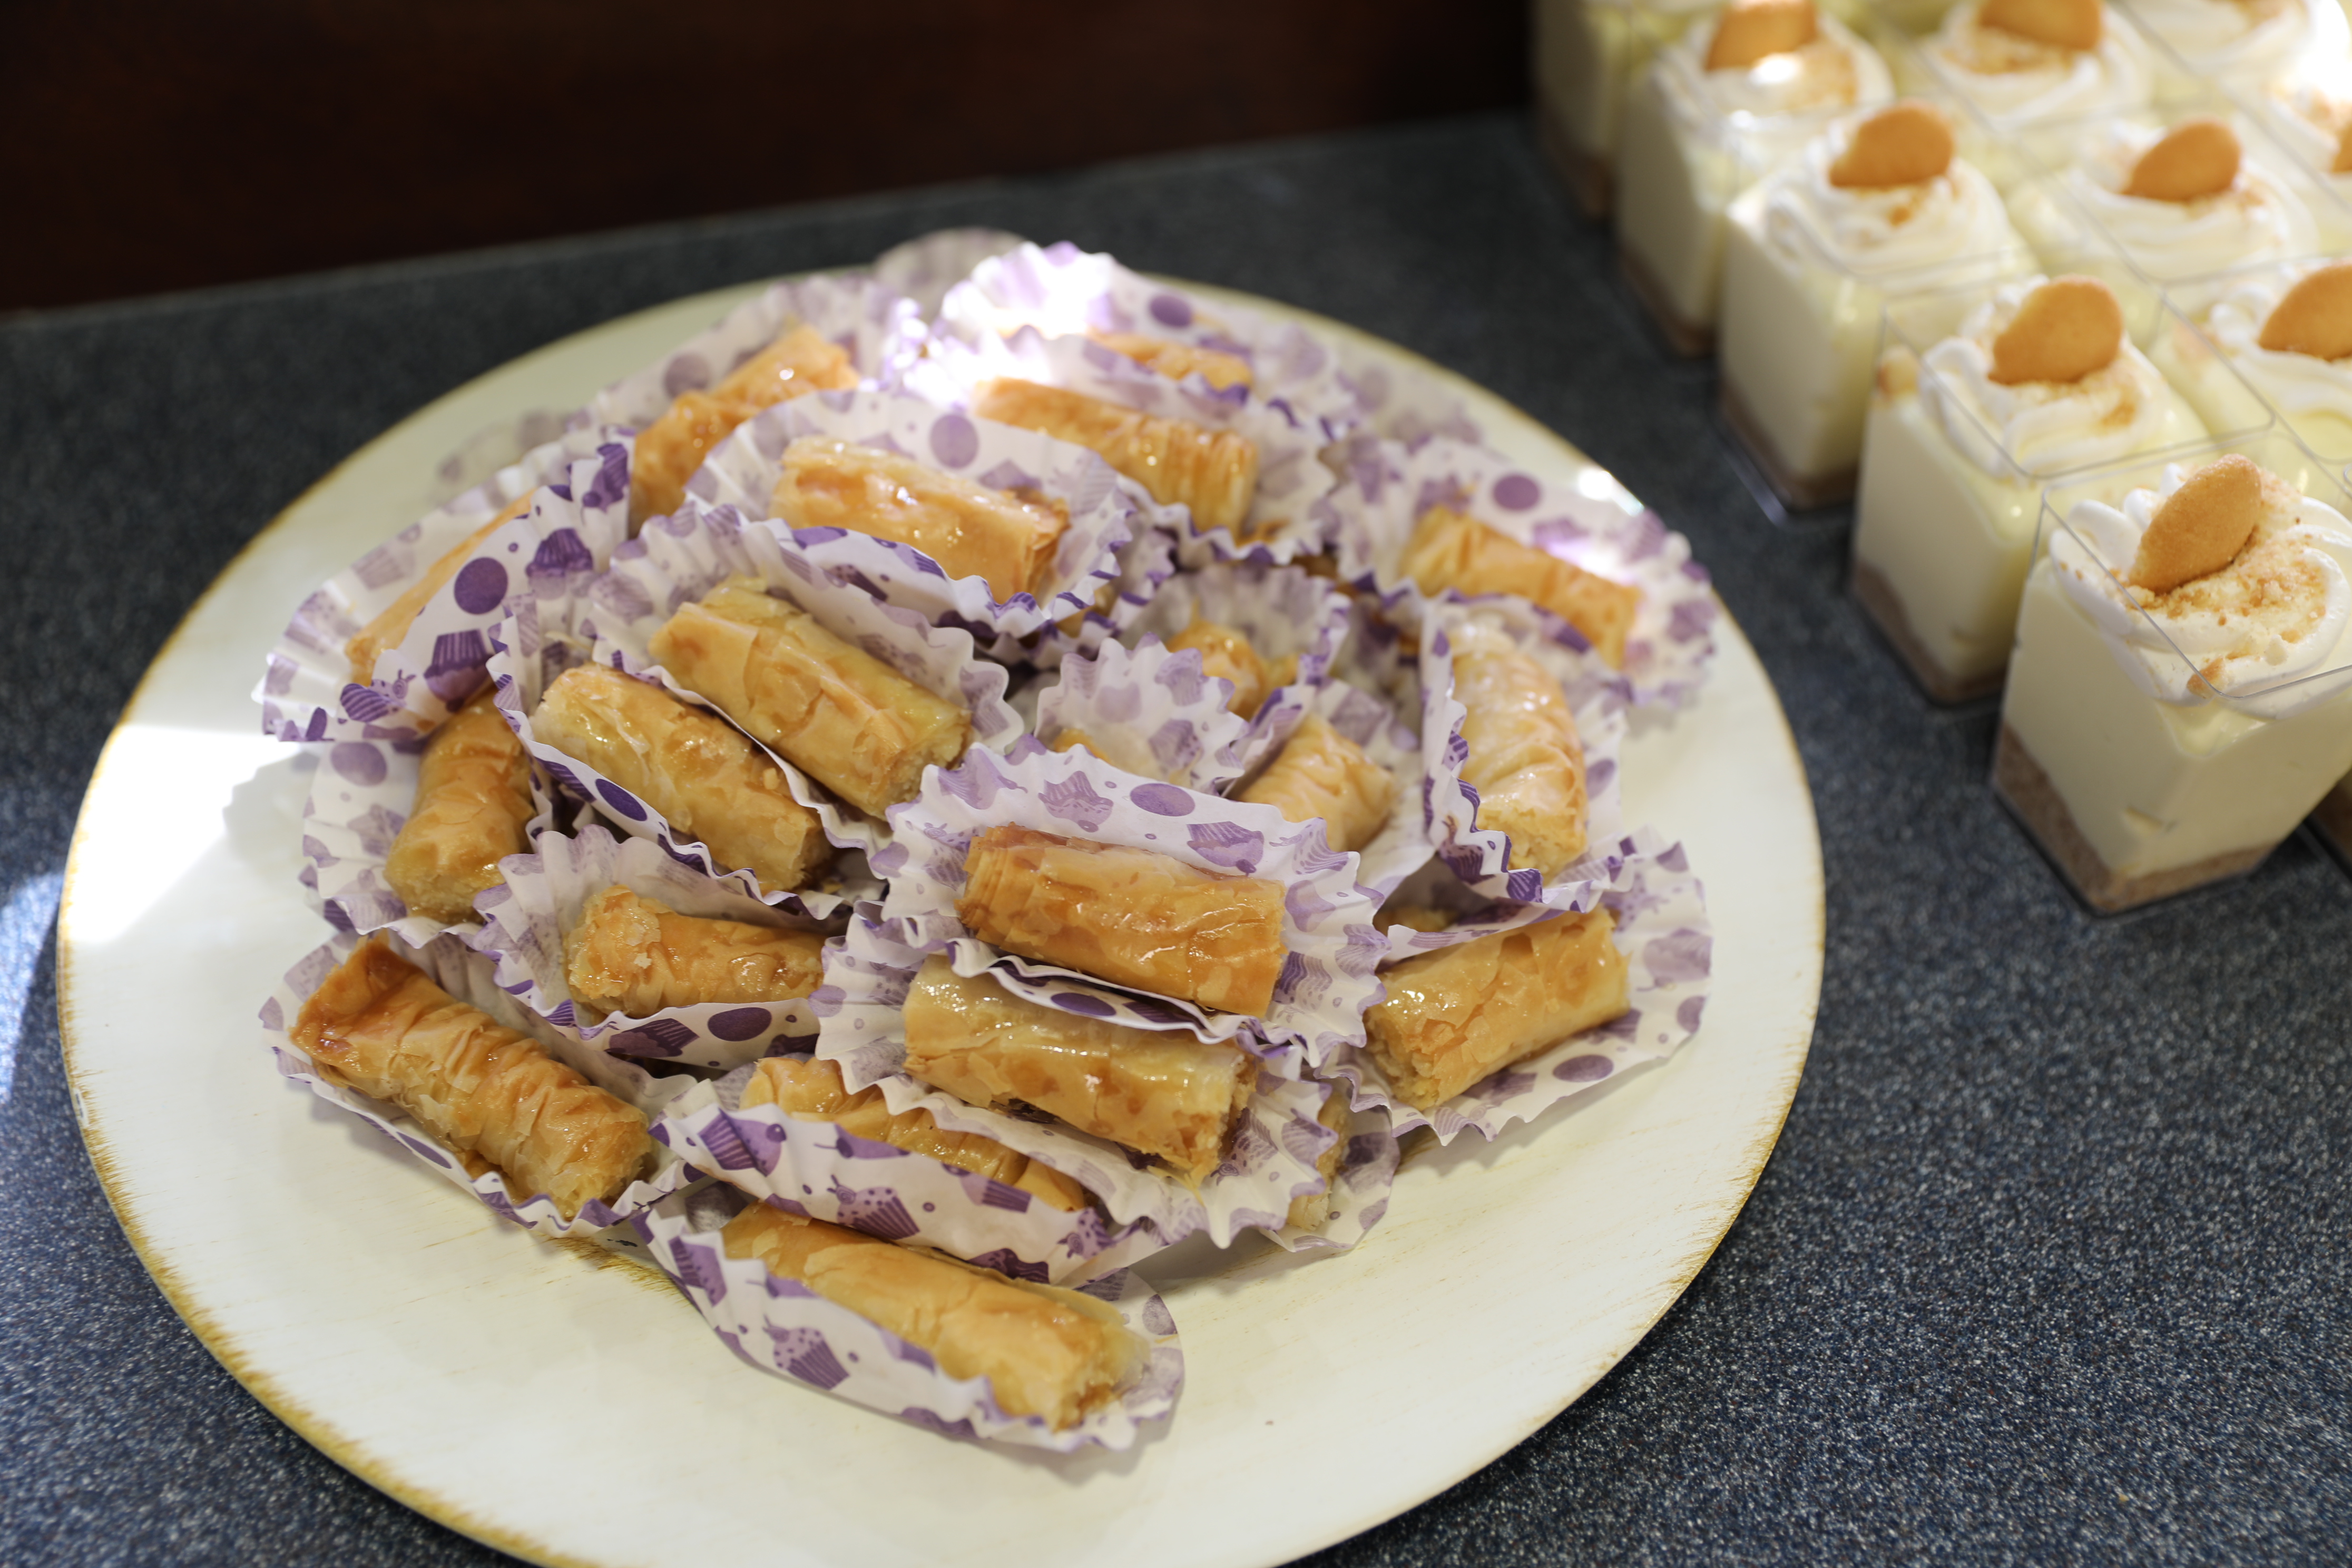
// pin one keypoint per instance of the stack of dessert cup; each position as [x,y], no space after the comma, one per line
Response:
[939,788]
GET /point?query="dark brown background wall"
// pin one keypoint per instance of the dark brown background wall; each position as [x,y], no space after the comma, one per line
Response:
[149,145]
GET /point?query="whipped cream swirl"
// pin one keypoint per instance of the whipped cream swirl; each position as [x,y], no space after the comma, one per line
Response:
[2292,383]
[1836,70]
[2244,40]
[1956,216]
[2270,618]
[2038,427]
[2257,218]
[2310,120]
[2013,79]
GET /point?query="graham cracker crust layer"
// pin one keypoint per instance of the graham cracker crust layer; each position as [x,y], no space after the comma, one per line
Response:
[2020,780]
[1798,492]
[1589,179]
[1684,337]
[1886,609]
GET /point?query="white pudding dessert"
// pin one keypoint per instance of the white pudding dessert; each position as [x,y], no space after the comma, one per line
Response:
[2182,693]
[2040,380]
[2018,62]
[1721,107]
[2244,43]
[2277,339]
[1875,207]
[1589,54]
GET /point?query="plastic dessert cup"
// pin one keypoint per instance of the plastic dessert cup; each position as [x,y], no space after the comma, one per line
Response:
[1588,55]
[2306,116]
[2193,42]
[2216,359]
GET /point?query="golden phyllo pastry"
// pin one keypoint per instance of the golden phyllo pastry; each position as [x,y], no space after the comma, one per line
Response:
[1132,917]
[637,955]
[1213,472]
[813,1091]
[1457,1015]
[392,623]
[1176,361]
[834,711]
[968,528]
[473,802]
[1166,1093]
[382,1026]
[673,446]
[1312,1211]
[1450,550]
[1045,1352]
[1526,760]
[1226,655]
[1319,772]
[703,777]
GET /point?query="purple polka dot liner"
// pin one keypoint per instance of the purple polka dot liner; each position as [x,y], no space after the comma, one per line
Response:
[737,480]
[925,267]
[523,926]
[466,976]
[781,1326]
[817,1169]
[1663,930]
[1389,402]
[1147,711]
[579,488]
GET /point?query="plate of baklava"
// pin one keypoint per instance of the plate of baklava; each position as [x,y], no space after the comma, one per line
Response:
[974,902]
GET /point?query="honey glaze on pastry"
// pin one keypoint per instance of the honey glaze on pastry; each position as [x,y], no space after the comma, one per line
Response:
[1526,760]
[1132,917]
[842,716]
[473,801]
[1165,1093]
[392,623]
[1452,550]
[1226,655]
[673,446]
[637,955]
[1213,472]
[382,1026]
[813,1091]
[968,528]
[703,777]
[1177,361]
[1319,772]
[1453,1016]
[1045,1352]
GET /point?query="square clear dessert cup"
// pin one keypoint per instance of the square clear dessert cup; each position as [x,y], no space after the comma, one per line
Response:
[2308,148]
[1949,509]
[2134,798]
[2187,45]
[1588,55]
[2212,352]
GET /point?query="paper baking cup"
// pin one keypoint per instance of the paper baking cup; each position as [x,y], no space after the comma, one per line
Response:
[815,1168]
[577,515]
[524,922]
[781,1326]
[926,268]
[1662,928]
[1326,981]
[1404,844]
[1144,562]
[466,976]
[1358,1199]
[1388,402]
[1105,511]
[1149,712]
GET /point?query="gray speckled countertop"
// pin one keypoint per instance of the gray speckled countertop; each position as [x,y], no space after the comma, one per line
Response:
[2053,1262]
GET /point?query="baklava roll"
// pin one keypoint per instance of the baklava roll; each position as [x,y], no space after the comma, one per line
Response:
[673,446]
[1132,917]
[473,805]
[1456,1014]
[834,711]
[392,623]
[1312,1211]
[706,779]
[637,955]
[1450,550]
[1225,653]
[813,1091]
[381,1024]
[1165,1093]
[1526,760]
[1177,361]
[1213,472]
[1045,1352]
[1321,773]
[968,528]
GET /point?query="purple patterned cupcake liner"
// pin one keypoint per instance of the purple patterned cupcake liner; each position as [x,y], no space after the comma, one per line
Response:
[1105,511]
[1663,930]
[1392,402]
[1403,845]
[784,1326]
[525,920]
[1145,562]
[1360,1186]
[1146,710]
[467,976]
[817,1169]
[926,268]
[577,515]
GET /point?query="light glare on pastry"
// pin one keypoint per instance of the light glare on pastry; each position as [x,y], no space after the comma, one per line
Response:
[2064,331]
[2061,24]
[1902,144]
[2201,528]
[2196,158]
[1751,29]
[2314,317]
[1526,760]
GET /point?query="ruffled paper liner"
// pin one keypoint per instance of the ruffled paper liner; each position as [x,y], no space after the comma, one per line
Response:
[781,1326]
[1403,845]
[1359,1186]
[870,319]
[1270,1158]
[524,659]
[676,560]
[1285,520]
[1105,511]
[1060,290]
[1387,490]
[815,1168]
[578,517]
[1668,942]
[1149,712]
[524,922]
[1388,402]
[1481,856]
[924,268]
[466,976]
[1326,983]
[1144,562]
